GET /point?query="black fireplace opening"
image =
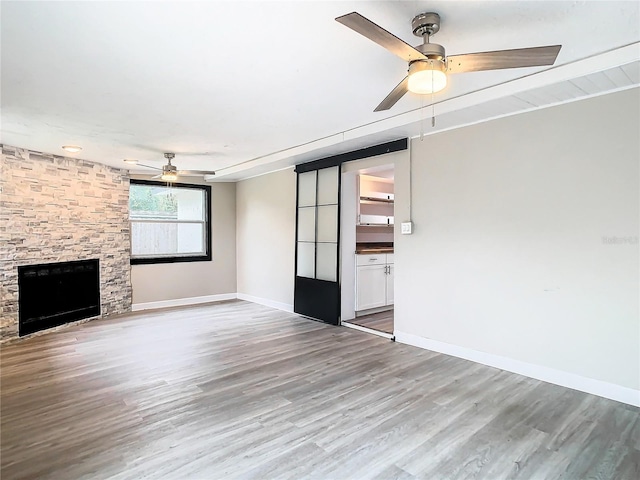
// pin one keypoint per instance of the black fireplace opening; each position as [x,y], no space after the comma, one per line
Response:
[52,294]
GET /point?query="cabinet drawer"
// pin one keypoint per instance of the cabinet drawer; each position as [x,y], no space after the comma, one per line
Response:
[371,259]
[389,257]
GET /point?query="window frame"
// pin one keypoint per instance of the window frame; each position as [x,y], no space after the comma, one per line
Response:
[176,258]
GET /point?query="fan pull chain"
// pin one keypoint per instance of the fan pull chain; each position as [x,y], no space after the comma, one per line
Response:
[433,106]
[422,118]
[433,112]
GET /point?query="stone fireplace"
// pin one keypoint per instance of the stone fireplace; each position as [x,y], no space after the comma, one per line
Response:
[52,294]
[59,209]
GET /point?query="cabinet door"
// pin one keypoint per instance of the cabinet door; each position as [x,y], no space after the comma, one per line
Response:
[371,285]
[389,285]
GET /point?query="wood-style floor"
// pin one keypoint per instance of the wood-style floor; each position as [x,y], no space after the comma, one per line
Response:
[238,390]
[381,321]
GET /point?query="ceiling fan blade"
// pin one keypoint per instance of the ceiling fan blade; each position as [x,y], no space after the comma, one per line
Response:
[395,95]
[516,58]
[157,176]
[195,173]
[147,166]
[376,33]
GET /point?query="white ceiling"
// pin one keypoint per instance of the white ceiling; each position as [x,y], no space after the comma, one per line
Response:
[246,87]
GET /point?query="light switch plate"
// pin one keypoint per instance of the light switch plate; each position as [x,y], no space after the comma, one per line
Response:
[406,228]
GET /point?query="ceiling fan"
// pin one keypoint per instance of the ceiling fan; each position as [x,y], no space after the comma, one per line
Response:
[169,172]
[428,65]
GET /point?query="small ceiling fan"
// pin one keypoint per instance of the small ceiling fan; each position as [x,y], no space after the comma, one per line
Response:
[428,65]
[169,172]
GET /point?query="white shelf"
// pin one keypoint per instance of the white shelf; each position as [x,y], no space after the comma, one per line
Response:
[370,200]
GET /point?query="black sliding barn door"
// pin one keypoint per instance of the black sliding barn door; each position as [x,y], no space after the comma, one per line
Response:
[317,286]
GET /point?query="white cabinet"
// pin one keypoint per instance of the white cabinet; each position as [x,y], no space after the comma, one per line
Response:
[371,288]
[374,281]
[389,292]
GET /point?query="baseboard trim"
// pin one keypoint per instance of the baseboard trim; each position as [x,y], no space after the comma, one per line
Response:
[266,302]
[546,374]
[181,302]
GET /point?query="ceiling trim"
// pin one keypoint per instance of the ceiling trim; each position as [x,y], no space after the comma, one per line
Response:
[610,59]
[526,110]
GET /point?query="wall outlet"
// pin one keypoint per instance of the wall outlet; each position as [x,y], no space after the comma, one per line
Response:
[406,228]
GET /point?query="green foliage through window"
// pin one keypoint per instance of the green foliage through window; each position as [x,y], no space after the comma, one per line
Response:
[147,201]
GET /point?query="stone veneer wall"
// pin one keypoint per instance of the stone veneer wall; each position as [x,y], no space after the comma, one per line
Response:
[58,209]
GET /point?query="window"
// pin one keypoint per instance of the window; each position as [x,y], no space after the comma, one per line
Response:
[169,223]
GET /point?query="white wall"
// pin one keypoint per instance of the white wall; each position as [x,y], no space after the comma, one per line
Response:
[266,216]
[171,281]
[510,254]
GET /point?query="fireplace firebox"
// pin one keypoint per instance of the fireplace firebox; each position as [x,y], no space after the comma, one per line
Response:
[52,294]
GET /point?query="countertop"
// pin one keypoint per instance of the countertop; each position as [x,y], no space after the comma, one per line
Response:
[370,250]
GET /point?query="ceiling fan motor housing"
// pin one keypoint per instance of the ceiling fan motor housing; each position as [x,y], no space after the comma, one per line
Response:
[169,169]
[435,55]
[431,50]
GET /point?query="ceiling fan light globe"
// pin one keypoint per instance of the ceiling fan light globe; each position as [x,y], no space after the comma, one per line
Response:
[426,77]
[169,177]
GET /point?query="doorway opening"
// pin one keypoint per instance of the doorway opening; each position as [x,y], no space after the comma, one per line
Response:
[325,265]
[367,243]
